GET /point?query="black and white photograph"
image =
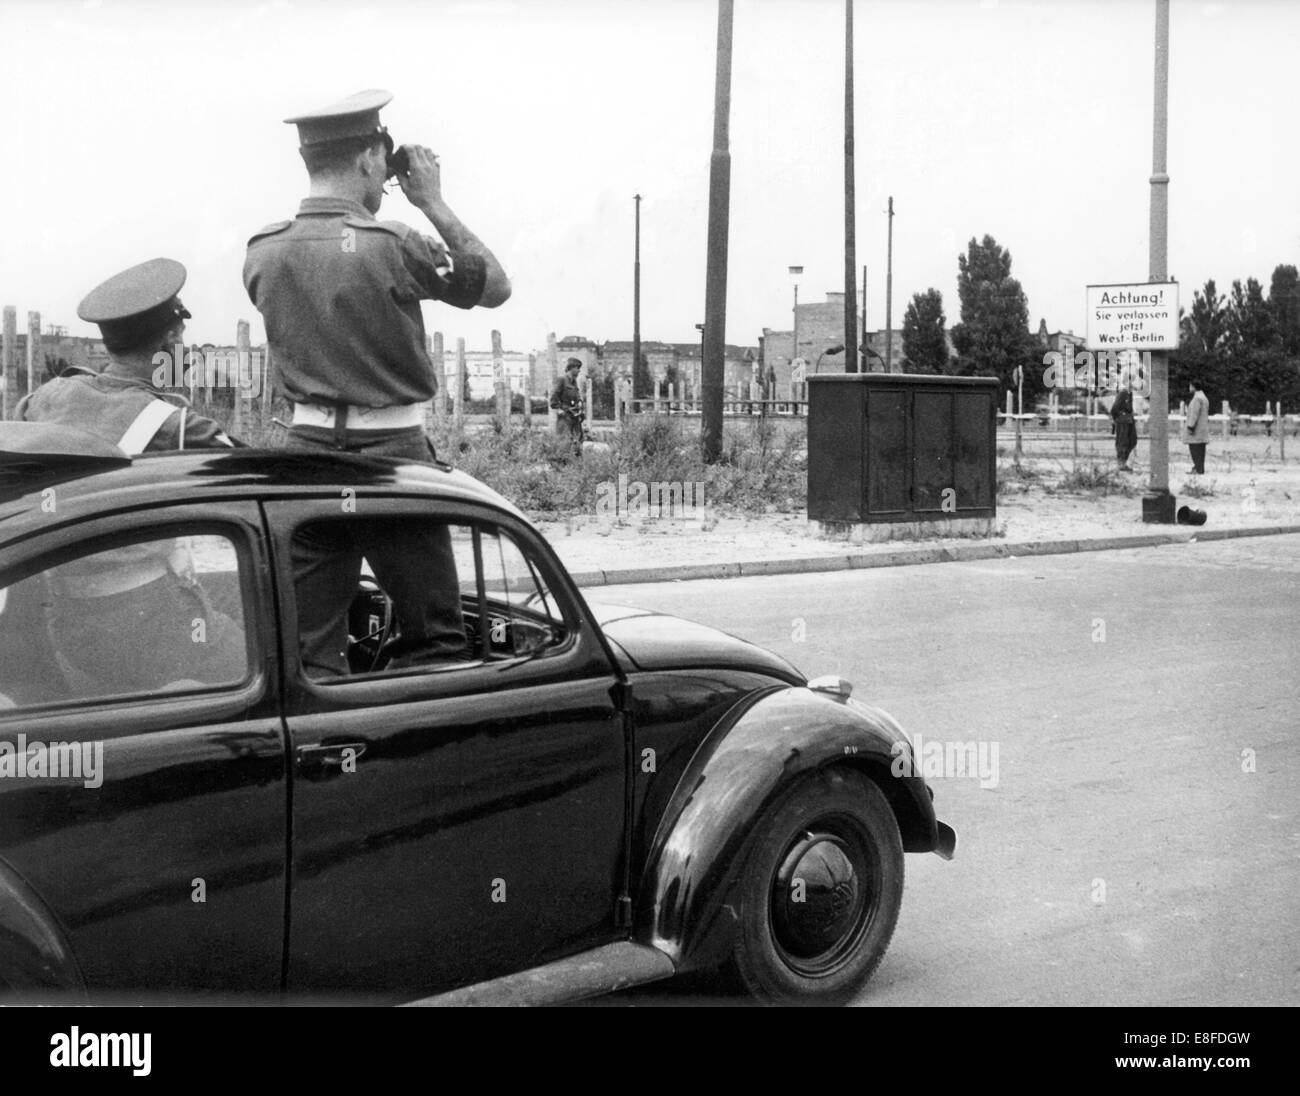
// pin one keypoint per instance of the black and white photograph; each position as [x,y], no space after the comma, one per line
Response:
[650,504]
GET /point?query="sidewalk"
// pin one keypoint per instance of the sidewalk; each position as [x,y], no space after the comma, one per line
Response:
[1246,502]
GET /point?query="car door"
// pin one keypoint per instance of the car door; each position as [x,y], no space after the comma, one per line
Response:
[457,821]
[143,791]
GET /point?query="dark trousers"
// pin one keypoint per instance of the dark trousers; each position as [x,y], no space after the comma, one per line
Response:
[411,558]
[1198,455]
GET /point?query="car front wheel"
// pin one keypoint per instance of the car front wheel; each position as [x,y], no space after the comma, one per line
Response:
[821,891]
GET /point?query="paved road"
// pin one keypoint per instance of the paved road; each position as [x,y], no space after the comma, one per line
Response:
[1142,843]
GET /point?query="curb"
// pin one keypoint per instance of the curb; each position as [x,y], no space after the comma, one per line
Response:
[910,557]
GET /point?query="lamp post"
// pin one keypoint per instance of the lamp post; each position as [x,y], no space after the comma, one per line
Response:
[832,350]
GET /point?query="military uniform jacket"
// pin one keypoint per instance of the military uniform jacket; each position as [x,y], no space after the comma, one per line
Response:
[340,293]
[124,411]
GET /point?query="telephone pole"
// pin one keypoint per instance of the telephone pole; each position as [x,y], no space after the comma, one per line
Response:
[715,281]
[850,230]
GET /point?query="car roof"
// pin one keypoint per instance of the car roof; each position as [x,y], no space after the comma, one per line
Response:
[96,485]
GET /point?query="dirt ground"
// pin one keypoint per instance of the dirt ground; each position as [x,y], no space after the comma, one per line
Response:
[1245,485]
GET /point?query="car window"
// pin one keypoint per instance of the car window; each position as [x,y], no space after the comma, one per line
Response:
[383,594]
[139,617]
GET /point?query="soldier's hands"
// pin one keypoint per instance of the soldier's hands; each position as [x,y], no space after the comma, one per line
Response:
[423,184]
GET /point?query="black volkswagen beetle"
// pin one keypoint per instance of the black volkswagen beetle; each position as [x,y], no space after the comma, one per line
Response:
[583,798]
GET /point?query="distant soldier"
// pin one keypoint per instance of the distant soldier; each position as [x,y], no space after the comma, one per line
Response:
[566,399]
[140,317]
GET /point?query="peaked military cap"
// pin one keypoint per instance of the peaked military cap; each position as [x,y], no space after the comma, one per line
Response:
[136,304]
[355,116]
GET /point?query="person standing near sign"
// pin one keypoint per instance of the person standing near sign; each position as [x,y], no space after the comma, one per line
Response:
[1126,438]
[1196,427]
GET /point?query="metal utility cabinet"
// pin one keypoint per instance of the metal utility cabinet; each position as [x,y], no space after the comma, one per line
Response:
[901,447]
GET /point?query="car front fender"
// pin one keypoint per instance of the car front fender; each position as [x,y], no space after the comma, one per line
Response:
[754,754]
[34,953]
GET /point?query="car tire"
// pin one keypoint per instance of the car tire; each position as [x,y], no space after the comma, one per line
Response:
[820,892]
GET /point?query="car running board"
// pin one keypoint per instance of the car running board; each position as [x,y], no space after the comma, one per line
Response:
[587,974]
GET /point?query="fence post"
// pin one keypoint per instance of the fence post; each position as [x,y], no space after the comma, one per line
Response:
[499,385]
[8,351]
[241,355]
[1227,414]
[528,392]
[33,350]
[458,396]
[1281,434]
[589,404]
[268,388]
[439,357]
[552,361]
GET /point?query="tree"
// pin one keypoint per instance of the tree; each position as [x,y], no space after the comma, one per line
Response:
[1284,303]
[1207,324]
[993,337]
[924,344]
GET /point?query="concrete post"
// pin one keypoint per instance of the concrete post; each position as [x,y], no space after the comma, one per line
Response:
[499,386]
[552,364]
[439,359]
[458,395]
[34,354]
[589,405]
[241,354]
[8,356]
[268,388]
[528,391]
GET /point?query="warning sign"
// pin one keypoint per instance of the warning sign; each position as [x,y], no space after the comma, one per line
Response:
[1133,317]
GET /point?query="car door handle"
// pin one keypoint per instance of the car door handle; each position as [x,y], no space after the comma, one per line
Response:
[332,757]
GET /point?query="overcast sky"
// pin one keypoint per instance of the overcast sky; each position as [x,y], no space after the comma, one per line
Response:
[151,128]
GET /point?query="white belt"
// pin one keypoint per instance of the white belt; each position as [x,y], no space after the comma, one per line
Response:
[360,418]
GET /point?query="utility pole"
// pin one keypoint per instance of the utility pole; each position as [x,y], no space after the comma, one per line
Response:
[715,281]
[850,230]
[889,294]
[1158,504]
[636,306]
